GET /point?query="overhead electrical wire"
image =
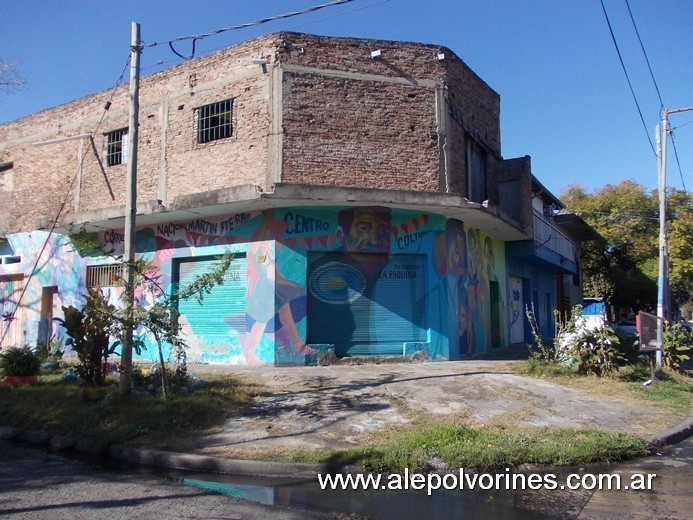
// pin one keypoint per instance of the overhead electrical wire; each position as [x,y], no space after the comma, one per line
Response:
[196,37]
[661,102]
[630,84]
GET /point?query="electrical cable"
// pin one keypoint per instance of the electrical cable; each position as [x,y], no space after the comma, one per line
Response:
[244,25]
[645,54]
[676,154]
[623,66]
[661,102]
[107,105]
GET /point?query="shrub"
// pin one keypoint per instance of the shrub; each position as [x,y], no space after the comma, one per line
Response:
[19,361]
[677,343]
[89,331]
[594,351]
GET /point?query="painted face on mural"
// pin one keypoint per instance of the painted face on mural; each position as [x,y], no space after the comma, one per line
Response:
[369,232]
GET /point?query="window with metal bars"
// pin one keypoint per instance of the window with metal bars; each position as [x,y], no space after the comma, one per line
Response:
[111,275]
[215,121]
[116,147]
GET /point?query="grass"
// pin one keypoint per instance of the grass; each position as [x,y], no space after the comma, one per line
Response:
[672,393]
[426,446]
[427,442]
[57,407]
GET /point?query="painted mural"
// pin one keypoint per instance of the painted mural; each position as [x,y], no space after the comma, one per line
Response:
[363,280]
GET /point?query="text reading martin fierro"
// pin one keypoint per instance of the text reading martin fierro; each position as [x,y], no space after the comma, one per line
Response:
[485,481]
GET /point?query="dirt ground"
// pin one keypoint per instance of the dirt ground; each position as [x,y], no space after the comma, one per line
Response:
[334,406]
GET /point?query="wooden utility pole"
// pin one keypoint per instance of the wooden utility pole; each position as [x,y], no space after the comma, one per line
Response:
[130,213]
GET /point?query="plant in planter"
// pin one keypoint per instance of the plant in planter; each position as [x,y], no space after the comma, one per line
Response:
[19,365]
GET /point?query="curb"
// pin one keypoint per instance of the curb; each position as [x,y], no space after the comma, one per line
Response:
[170,459]
[204,463]
[678,433]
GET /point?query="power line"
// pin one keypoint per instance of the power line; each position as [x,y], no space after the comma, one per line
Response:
[196,37]
[623,66]
[661,103]
[676,154]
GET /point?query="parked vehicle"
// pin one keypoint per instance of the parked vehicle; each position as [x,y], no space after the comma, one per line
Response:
[627,327]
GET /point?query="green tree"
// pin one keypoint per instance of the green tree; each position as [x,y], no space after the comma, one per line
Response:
[680,240]
[624,267]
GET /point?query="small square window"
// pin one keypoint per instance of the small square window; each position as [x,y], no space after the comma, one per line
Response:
[214,121]
[116,147]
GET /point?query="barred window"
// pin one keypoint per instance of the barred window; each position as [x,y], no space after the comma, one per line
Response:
[116,147]
[111,275]
[214,121]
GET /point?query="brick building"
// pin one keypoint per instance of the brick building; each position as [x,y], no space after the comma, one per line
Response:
[359,184]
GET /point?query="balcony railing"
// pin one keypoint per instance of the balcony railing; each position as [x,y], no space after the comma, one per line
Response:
[547,235]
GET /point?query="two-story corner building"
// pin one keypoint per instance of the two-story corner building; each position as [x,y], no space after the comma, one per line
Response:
[358,183]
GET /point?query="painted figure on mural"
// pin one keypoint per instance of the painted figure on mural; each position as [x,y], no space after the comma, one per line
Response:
[478,290]
[455,271]
[339,280]
[265,282]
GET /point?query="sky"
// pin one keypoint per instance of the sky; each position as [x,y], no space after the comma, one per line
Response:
[565,99]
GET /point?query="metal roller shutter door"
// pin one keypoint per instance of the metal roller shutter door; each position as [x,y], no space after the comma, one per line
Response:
[363,316]
[223,310]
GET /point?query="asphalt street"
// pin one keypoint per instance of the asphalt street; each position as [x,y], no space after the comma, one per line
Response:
[36,485]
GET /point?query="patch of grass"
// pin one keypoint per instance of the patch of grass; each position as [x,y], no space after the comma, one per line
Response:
[57,407]
[426,446]
[534,366]
[671,390]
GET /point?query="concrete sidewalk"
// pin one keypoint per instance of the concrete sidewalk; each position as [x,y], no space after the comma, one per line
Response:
[333,406]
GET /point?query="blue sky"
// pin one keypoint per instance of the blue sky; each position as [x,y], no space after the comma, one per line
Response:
[565,100]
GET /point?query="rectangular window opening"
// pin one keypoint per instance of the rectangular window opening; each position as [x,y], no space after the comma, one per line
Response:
[116,147]
[111,275]
[215,121]
[476,172]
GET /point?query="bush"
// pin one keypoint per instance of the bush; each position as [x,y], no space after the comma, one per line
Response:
[677,344]
[89,330]
[19,361]
[583,350]
[594,351]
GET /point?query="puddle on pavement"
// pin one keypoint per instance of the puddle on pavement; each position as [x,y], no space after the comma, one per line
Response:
[379,504]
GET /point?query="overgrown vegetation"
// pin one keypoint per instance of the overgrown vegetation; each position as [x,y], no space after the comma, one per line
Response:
[583,350]
[89,330]
[55,406]
[98,328]
[429,445]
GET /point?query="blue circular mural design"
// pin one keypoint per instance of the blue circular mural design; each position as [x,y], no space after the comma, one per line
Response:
[337,283]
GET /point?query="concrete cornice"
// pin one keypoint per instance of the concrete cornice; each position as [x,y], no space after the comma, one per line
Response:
[487,218]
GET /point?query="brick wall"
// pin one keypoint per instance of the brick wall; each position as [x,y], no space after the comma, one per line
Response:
[340,117]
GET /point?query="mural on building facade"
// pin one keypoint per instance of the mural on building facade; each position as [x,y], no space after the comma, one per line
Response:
[373,274]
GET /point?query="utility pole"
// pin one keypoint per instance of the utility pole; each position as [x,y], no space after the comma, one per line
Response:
[663,277]
[131,212]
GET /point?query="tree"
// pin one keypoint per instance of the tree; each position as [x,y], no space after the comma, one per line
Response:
[155,312]
[624,268]
[680,233]
[10,79]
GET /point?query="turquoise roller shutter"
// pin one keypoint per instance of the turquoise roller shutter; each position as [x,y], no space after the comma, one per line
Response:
[366,304]
[221,316]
